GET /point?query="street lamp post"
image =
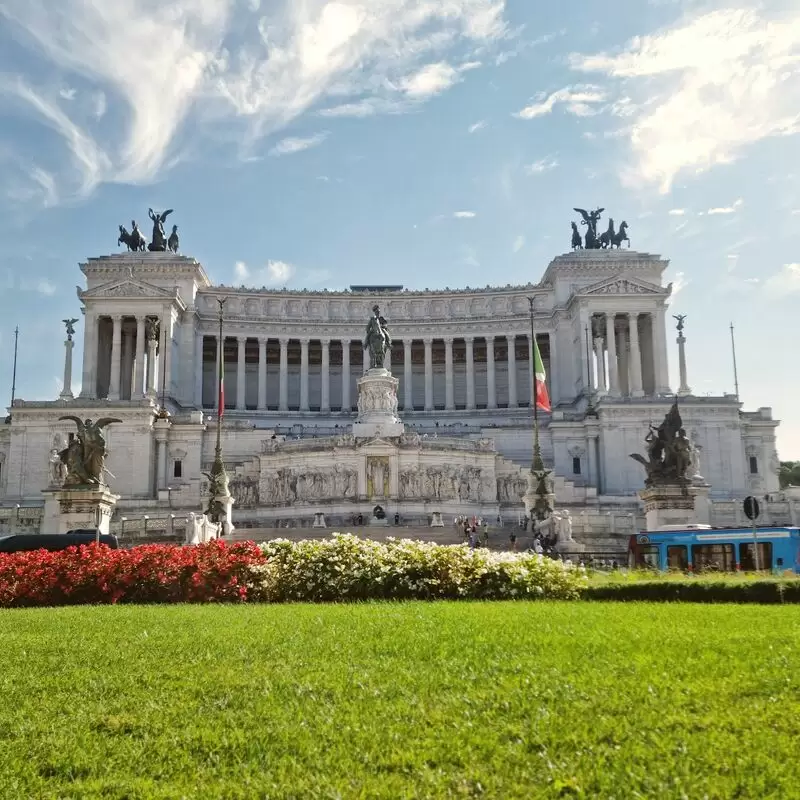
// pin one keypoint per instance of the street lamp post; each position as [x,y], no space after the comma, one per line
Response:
[218,477]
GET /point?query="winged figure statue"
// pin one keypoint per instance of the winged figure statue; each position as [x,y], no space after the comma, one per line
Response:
[590,219]
[70,323]
[85,456]
[159,243]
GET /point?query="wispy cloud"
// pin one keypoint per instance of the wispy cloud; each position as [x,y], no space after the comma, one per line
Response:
[464,214]
[582,101]
[232,67]
[726,209]
[677,212]
[540,166]
[704,90]
[296,144]
[273,273]
[518,244]
[679,283]
[46,287]
[477,126]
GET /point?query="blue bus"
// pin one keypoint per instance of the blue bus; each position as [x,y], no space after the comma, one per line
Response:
[702,548]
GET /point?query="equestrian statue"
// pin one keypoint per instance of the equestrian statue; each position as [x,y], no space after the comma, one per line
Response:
[377,340]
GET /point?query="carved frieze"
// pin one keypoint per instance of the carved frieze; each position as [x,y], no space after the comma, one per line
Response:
[288,485]
[468,484]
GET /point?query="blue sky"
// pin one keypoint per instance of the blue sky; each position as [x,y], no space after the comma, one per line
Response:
[427,142]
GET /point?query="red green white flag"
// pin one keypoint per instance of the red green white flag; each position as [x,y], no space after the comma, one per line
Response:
[540,379]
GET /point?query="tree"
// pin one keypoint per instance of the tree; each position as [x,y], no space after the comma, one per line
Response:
[789,474]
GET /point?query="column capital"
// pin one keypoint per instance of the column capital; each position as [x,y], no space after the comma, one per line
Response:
[242,339]
[262,339]
[511,336]
[407,344]
[116,318]
[427,341]
[284,341]
[448,339]
[304,340]
[468,339]
[325,342]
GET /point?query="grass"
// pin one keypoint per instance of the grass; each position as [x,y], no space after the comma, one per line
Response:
[500,700]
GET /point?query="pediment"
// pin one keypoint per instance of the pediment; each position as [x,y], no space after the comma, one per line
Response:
[378,446]
[623,284]
[127,288]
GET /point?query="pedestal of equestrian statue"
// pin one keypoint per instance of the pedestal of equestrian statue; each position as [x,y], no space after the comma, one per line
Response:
[377,406]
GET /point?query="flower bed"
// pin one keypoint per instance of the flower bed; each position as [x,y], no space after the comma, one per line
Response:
[343,568]
[213,572]
[348,568]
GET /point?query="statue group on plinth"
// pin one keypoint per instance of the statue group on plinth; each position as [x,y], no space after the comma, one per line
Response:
[84,458]
[671,457]
[134,239]
[610,238]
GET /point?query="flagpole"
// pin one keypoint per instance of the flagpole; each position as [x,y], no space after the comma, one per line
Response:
[735,372]
[220,378]
[536,462]
[14,371]
[219,490]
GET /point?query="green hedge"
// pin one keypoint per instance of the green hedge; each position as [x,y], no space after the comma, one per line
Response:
[698,590]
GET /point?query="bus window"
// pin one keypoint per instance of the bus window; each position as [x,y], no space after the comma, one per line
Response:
[647,556]
[746,559]
[715,557]
[678,557]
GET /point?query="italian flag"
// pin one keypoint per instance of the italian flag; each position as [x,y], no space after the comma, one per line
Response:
[221,399]
[540,379]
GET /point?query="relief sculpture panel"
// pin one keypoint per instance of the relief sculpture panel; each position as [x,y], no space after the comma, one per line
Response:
[286,486]
[447,483]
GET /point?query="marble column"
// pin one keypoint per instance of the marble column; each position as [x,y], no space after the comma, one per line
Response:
[66,391]
[346,402]
[491,390]
[599,354]
[166,344]
[116,358]
[88,373]
[283,389]
[199,341]
[611,346]
[635,363]
[152,349]
[241,376]
[126,377]
[325,377]
[262,373]
[387,359]
[408,396]
[511,366]
[661,370]
[449,378]
[428,374]
[622,355]
[365,359]
[552,369]
[684,388]
[304,374]
[469,341]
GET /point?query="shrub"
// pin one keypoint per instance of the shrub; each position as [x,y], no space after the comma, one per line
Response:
[703,589]
[213,572]
[348,568]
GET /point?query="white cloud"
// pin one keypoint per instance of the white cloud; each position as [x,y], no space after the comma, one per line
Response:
[67,94]
[679,283]
[677,212]
[46,287]
[296,144]
[582,101]
[787,281]
[477,126]
[464,214]
[242,70]
[704,90]
[273,273]
[519,243]
[47,183]
[540,166]
[726,209]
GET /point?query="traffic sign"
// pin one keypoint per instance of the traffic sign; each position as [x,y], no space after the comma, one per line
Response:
[751,507]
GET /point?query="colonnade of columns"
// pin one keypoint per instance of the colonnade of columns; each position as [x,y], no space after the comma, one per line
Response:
[120,356]
[454,372]
[628,354]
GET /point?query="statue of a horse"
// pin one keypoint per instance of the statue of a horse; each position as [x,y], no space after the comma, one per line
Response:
[577,242]
[607,238]
[621,236]
[131,240]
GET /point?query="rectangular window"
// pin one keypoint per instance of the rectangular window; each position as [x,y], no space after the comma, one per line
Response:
[678,557]
[177,469]
[746,556]
[576,465]
[648,556]
[713,557]
[753,465]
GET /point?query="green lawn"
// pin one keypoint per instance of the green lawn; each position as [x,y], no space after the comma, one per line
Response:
[500,700]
